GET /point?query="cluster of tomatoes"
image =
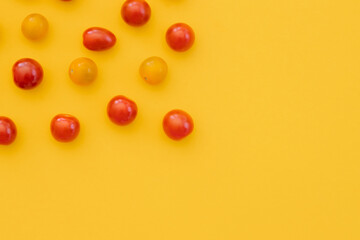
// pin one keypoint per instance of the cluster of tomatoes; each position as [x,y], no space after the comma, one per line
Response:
[28,74]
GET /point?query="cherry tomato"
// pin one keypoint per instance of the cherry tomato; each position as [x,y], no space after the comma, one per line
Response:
[98,39]
[136,12]
[83,71]
[35,26]
[8,131]
[178,124]
[65,127]
[121,110]
[180,37]
[153,70]
[27,73]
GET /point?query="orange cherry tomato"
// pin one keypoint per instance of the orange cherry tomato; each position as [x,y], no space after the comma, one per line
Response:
[153,70]
[35,26]
[8,131]
[83,71]
[177,124]
[98,39]
[180,37]
[121,110]
[65,127]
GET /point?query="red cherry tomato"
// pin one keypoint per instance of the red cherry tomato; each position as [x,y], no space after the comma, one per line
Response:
[65,127]
[27,73]
[177,124]
[8,131]
[121,110]
[180,37]
[98,39]
[136,12]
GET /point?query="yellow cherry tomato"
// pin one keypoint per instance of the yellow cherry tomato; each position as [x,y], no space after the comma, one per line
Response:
[34,26]
[83,71]
[153,70]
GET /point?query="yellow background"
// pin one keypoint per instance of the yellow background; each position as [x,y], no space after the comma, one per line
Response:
[274,90]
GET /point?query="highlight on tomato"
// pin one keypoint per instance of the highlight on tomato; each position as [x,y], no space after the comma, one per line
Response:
[121,110]
[27,73]
[98,39]
[180,37]
[8,131]
[178,124]
[136,12]
[65,127]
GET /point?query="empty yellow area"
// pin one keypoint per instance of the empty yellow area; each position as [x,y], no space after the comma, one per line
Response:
[274,91]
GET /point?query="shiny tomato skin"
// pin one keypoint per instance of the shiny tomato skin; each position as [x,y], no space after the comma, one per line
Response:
[65,127]
[178,124]
[121,110]
[98,39]
[136,12]
[180,37]
[27,73]
[8,131]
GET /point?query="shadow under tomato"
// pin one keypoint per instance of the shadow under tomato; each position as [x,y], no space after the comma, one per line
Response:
[7,152]
[179,55]
[41,44]
[70,146]
[140,31]
[156,88]
[37,94]
[101,56]
[130,131]
[89,90]
[188,142]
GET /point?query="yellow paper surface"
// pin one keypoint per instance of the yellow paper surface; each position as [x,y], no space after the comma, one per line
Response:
[274,91]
